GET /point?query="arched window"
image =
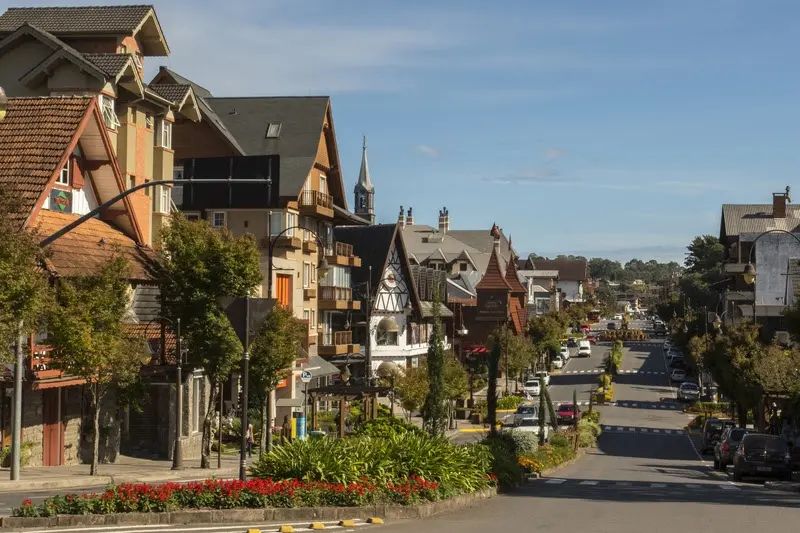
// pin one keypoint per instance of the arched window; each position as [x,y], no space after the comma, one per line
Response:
[388,330]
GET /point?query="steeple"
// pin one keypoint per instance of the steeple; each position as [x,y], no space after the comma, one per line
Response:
[364,190]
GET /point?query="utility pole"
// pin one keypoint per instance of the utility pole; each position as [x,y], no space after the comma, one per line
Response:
[245,383]
[16,426]
[177,453]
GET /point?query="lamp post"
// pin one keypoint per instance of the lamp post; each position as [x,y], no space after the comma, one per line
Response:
[177,454]
[750,273]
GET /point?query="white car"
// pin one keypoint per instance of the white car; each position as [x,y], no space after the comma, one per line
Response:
[529,425]
[688,391]
[558,362]
[617,317]
[544,376]
[678,375]
[584,348]
[532,387]
[565,353]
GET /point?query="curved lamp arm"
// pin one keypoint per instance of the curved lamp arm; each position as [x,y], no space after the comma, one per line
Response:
[750,271]
[322,266]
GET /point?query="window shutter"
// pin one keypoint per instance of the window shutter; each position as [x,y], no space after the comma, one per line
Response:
[76,173]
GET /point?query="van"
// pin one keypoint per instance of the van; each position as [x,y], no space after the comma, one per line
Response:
[584,348]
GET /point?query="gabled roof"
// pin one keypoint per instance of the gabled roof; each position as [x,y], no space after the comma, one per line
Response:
[568,269]
[512,277]
[136,20]
[539,274]
[301,119]
[494,278]
[111,64]
[181,97]
[34,139]
[482,241]
[757,218]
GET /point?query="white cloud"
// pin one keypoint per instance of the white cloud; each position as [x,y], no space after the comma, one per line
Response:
[554,153]
[426,150]
[532,177]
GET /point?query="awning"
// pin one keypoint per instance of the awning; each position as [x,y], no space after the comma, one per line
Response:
[427,310]
[319,367]
[388,324]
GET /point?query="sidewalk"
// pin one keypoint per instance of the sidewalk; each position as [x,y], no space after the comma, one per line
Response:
[125,470]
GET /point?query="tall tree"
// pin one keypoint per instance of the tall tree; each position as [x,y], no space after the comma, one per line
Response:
[201,265]
[89,340]
[518,352]
[274,349]
[705,255]
[24,291]
[412,388]
[434,412]
[456,383]
[545,332]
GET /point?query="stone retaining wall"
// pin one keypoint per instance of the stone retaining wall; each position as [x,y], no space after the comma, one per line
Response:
[228,516]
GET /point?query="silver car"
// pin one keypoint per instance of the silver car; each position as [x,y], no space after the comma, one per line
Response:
[688,392]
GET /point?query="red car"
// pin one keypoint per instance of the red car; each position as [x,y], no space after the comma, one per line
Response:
[592,339]
[567,413]
[586,328]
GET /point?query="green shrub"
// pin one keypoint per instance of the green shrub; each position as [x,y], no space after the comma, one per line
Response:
[560,439]
[592,416]
[509,402]
[386,426]
[587,433]
[505,459]
[604,380]
[525,443]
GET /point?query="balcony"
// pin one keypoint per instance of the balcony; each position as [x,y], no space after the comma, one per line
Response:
[336,343]
[41,365]
[309,293]
[337,298]
[342,254]
[292,242]
[316,203]
[733,268]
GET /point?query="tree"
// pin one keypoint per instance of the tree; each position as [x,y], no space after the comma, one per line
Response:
[89,340]
[411,388]
[705,255]
[201,265]
[434,411]
[456,383]
[546,331]
[273,352]
[491,391]
[518,352]
[24,292]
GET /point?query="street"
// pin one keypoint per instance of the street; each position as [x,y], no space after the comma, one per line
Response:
[643,472]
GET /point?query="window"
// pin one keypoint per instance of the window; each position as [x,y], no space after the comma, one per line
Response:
[165,137]
[147,189]
[313,273]
[63,177]
[337,276]
[313,322]
[218,219]
[192,216]
[306,275]
[196,403]
[162,200]
[323,184]
[291,222]
[177,172]
[148,121]
[273,130]
[462,267]
[275,223]
[387,332]
[109,113]
[131,181]
[307,315]
[137,60]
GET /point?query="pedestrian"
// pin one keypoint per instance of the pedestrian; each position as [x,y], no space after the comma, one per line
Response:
[249,438]
[286,430]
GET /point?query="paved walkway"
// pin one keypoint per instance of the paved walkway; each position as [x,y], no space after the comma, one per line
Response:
[125,470]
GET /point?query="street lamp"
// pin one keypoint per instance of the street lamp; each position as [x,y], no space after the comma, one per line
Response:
[749,273]
[717,322]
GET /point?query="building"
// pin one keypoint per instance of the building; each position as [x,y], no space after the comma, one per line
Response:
[56,51]
[364,191]
[573,275]
[57,158]
[765,235]
[395,322]
[542,294]
[287,145]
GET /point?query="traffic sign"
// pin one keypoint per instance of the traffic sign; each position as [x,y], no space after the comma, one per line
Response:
[305,376]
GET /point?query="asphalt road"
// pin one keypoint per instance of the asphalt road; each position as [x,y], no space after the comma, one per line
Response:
[644,474]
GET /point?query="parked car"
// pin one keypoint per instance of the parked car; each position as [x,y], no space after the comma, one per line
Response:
[712,433]
[763,455]
[567,413]
[617,317]
[572,342]
[678,375]
[586,328]
[558,362]
[532,387]
[544,376]
[611,326]
[678,363]
[592,339]
[584,348]
[725,449]
[530,425]
[565,353]
[525,410]
[688,392]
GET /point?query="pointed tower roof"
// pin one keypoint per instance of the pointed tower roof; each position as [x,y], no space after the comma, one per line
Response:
[494,279]
[512,278]
[364,181]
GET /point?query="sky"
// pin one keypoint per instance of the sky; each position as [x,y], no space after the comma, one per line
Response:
[613,128]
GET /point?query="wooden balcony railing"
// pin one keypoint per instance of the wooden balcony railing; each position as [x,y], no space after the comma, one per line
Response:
[335,293]
[343,249]
[337,338]
[316,199]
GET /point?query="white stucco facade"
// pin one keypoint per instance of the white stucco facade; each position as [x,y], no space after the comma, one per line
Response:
[774,285]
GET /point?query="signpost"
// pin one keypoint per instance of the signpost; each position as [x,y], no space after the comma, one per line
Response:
[305,377]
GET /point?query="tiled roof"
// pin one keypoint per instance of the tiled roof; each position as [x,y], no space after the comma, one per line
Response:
[172,92]
[34,137]
[86,248]
[513,278]
[111,64]
[493,279]
[77,20]
[151,332]
[519,316]
[568,269]
[757,218]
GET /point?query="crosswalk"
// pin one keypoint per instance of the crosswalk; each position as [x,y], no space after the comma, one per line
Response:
[650,405]
[596,371]
[634,485]
[640,430]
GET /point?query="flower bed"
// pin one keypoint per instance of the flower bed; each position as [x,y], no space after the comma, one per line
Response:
[234,494]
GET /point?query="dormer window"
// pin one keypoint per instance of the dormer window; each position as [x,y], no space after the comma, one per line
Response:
[64,176]
[273,130]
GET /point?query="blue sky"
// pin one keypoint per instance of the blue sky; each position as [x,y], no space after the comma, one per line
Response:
[613,128]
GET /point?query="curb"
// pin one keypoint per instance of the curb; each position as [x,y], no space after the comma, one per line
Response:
[102,481]
[228,516]
[786,486]
[546,473]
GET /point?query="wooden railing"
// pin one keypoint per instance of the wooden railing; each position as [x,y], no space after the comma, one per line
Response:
[316,198]
[335,293]
[343,249]
[337,338]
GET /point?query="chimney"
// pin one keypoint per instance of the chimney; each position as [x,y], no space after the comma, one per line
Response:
[410,218]
[401,218]
[779,201]
[444,220]
[495,233]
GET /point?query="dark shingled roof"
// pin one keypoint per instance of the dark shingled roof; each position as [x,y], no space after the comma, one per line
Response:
[372,245]
[111,64]
[568,269]
[77,20]
[301,119]
[174,93]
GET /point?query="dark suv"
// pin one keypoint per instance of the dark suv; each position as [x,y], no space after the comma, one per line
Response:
[725,449]
[763,455]
[712,433]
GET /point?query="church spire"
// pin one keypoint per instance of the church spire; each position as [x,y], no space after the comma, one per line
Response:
[364,190]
